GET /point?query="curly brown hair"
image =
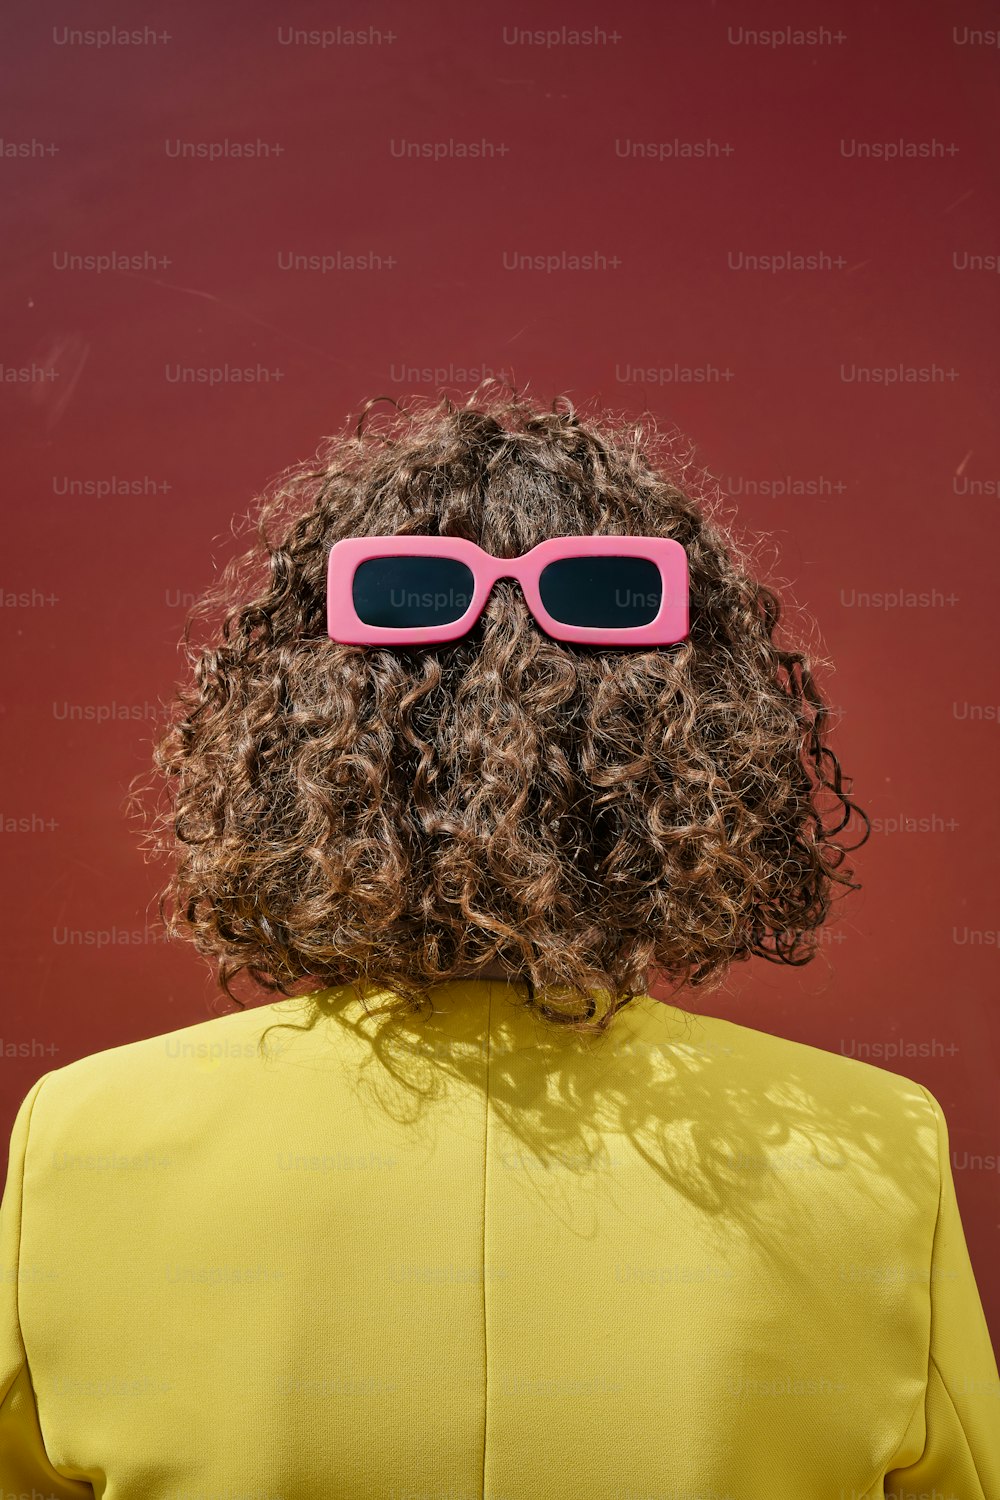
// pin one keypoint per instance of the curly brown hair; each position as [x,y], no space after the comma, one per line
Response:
[390,818]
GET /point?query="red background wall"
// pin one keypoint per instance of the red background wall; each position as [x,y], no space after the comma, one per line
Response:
[894,488]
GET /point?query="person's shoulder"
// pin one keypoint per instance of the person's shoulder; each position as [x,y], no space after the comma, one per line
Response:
[770,1063]
[839,1126]
[147,1067]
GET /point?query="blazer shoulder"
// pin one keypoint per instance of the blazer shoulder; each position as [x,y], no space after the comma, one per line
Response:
[861,1143]
[143,1068]
[769,1062]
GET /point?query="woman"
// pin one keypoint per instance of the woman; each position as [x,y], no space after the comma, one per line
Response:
[504,735]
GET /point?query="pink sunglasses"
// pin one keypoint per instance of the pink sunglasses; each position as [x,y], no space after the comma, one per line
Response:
[415,590]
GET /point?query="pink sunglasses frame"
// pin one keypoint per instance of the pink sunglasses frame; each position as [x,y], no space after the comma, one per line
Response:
[669,625]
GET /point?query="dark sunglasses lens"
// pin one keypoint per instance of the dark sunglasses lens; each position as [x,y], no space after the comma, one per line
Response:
[602,592]
[408,593]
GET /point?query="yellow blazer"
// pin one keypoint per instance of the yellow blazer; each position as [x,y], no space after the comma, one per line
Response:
[471,1256]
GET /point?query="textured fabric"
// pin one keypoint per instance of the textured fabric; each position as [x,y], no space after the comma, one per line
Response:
[468,1255]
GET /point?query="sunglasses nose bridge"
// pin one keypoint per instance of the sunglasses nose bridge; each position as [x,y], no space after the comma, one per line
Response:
[495,568]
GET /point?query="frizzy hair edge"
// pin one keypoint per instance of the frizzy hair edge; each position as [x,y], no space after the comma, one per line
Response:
[394,818]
